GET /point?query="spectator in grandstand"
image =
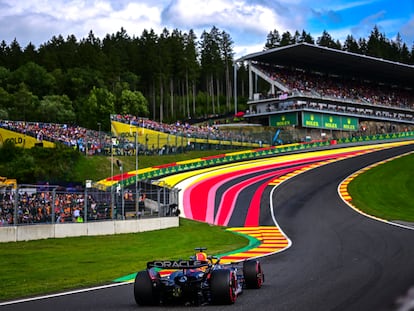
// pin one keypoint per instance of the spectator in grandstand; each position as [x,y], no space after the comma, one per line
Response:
[303,82]
[76,214]
[205,131]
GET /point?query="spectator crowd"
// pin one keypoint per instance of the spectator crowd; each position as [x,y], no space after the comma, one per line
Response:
[184,129]
[323,85]
[92,142]
[40,206]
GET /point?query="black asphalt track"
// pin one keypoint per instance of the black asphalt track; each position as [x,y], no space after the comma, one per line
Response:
[339,259]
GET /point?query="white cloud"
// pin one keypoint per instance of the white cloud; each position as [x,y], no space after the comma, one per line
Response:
[242,50]
[38,21]
[246,21]
[134,18]
[235,15]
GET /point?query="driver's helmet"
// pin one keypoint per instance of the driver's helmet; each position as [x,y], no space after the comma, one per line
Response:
[201,256]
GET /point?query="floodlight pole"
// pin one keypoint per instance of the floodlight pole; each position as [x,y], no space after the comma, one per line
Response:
[122,193]
[112,178]
[16,204]
[235,86]
[136,172]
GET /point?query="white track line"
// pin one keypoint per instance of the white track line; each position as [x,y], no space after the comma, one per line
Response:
[62,294]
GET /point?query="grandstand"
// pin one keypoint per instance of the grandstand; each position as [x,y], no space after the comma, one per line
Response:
[312,92]
[160,138]
[153,137]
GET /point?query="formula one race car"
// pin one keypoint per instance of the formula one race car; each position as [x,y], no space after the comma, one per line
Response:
[198,281]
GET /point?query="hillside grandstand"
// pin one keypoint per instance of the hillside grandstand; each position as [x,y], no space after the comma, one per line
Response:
[313,92]
[152,137]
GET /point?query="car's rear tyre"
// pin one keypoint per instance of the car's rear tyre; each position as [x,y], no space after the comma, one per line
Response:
[253,274]
[146,289]
[223,285]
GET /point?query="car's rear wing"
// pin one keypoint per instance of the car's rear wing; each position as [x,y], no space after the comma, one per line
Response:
[177,264]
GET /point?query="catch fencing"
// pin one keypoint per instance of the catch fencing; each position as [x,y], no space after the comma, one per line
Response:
[47,204]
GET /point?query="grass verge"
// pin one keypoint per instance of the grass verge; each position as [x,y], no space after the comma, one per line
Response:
[387,190]
[47,266]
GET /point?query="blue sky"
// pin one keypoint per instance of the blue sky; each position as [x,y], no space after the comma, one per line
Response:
[247,22]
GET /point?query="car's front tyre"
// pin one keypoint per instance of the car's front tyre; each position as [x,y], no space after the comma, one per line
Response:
[253,274]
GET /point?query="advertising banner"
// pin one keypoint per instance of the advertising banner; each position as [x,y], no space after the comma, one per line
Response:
[328,121]
[312,120]
[22,140]
[285,119]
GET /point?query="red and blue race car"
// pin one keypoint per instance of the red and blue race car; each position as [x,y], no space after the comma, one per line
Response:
[198,281]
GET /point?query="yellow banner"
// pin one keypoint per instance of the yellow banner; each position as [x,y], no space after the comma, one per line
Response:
[149,138]
[22,140]
[156,140]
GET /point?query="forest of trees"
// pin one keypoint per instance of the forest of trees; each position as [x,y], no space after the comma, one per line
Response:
[165,77]
[377,44]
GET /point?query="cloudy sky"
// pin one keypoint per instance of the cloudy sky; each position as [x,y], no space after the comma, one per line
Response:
[247,22]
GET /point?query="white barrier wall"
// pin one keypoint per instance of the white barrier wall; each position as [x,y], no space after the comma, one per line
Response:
[37,232]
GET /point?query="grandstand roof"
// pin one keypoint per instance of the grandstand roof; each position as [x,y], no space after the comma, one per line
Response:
[311,56]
